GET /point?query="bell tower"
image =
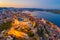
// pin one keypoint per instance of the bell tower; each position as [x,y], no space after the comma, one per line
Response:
[15,22]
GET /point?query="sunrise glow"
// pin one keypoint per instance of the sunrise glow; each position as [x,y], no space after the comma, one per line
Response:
[30,3]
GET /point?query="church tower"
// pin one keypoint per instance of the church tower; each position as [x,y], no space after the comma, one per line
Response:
[15,22]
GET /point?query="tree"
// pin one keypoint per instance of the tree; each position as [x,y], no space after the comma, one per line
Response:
[5,25]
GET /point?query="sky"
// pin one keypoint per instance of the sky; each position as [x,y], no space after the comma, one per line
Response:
[54,4]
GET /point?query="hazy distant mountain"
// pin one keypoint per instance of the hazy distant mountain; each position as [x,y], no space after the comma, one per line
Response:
[31,9]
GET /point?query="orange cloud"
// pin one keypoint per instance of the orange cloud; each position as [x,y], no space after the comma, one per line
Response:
[7,4]
[12,4]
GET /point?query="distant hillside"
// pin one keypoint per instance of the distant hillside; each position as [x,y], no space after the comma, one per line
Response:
[54,11]
[31,9]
